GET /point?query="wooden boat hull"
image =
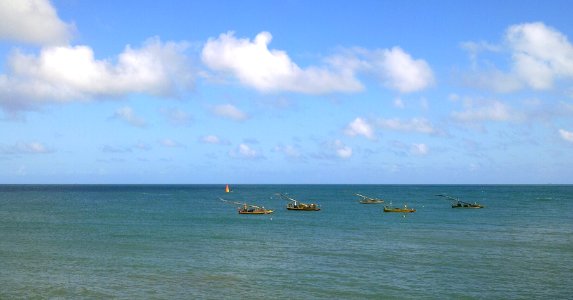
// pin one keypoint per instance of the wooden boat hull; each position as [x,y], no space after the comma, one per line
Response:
[304,208]
[399,210]
[468,206]
[257,212]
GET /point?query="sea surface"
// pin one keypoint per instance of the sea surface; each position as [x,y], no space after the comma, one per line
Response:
[182,242]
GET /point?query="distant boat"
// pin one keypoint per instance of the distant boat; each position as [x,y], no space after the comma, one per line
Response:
[296,205]
[404,209]
[457,203]
[249,209]
[368,200]
[253,210]
[227,189]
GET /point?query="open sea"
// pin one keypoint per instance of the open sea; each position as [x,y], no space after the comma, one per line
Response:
[182,242]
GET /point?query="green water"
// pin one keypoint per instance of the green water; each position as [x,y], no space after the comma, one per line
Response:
[182,242]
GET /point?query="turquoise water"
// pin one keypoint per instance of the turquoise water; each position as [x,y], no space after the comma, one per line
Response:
[181,242]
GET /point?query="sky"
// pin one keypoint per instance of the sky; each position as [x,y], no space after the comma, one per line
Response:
[279,92]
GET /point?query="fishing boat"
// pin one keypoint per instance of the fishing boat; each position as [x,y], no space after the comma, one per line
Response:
[249,209]
[294,204]
[457,203]
[369,200]
[253,210]
[404,209]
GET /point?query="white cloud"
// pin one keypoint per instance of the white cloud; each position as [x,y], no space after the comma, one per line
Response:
[33,21]
[419,125]
[229,111]
[245,151]
[488,111]
[127,115]
[566,135]
[540,54]
[270,70]
[360,127]
[420,149]
[401,72]
[25,148]
[474,48]
[342,150]
[211,139]
[169,143]
[72,73]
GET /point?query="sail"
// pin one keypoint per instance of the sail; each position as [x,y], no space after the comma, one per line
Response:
[227,189]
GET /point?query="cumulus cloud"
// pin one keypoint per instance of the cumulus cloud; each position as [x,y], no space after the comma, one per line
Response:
[229,111]
[540,55]
[360,127]
[245,151]
[341,150]
[419,125]
[566,135]
[271,70]
[33,21]
[72,73]
[400,71]
[127,115]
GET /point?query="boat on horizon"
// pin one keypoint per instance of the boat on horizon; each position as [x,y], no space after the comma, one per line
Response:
[369,200]
[227,189]
[294,204]
[457,203]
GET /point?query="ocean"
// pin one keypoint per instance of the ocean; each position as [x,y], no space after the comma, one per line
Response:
[182,242]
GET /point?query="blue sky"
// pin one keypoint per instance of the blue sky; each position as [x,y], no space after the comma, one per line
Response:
[286,92]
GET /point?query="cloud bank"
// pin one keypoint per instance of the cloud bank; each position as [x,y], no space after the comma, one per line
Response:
[72,73]
[269,70]
[254,65]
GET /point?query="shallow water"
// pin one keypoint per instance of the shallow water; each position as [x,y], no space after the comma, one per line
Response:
[181,241]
